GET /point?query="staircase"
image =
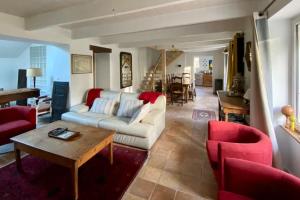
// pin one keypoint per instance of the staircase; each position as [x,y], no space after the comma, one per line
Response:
[172,56]
[154,77]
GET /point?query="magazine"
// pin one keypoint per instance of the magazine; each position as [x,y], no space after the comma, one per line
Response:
[62,133]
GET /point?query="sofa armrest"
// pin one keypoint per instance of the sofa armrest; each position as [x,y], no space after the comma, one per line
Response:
[79,108]
[160,104]
[26,112]
[259,181]
[153,117]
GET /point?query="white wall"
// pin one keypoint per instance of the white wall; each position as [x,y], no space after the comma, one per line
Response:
[80,83]
[115,69]
[9,73]
[9,69]
[173,68]
[148,57]
[58,63]
[187,59]
[102,70]
[248,36]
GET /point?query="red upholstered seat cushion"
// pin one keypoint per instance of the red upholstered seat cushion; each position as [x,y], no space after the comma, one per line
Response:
[222,195]
[14,128]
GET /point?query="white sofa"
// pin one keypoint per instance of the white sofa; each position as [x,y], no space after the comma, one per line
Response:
[142,135]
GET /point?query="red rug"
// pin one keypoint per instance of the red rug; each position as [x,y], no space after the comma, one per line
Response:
[97,178]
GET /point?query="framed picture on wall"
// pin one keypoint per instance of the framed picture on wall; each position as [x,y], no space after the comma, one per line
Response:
[125,69]
[81,64]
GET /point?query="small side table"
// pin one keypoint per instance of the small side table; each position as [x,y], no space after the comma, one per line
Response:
[234,105]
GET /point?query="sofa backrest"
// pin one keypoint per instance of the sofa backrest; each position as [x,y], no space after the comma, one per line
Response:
[160,103]
[114,95]
[129,96]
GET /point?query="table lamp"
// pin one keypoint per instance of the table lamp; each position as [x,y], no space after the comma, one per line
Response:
[34,72]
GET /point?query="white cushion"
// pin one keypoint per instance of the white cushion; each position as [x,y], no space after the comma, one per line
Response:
[128,107]
[103,106]
[120,125]
[86,118]
[79,108]
[140,114]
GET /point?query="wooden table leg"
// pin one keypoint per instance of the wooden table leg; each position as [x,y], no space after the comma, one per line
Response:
[18,159]
[74,176]
[220,110]
[226,117]
[111,152]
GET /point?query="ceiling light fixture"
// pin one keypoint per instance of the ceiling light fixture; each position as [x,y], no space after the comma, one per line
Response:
[114,12]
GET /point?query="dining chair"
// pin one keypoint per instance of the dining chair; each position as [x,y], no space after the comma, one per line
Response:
[190,86]
[177,90]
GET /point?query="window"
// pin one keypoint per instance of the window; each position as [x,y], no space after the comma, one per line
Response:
[38,59]
[197,64]
[296,70]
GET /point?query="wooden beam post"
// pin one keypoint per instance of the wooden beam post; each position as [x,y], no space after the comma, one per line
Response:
[164,69]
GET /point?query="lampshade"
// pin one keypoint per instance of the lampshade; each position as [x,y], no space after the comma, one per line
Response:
[34,72]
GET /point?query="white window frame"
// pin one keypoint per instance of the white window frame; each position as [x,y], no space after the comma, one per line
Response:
[42,81]
[296,67]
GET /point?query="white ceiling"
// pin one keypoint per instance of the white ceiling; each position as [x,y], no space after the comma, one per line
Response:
[291,10]
[25,8]
[188,24]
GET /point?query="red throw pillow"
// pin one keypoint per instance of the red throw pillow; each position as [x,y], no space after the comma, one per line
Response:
[149,97]
[92,95]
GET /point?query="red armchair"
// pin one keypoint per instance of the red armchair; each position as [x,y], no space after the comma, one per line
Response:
[233,140]
[16,120]
[249,180]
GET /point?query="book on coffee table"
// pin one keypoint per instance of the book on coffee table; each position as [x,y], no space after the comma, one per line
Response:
[62,133]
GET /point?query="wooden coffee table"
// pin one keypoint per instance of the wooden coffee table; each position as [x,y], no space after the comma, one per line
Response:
[71,154]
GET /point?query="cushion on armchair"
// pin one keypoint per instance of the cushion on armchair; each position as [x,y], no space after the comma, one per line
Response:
[16,120]
[258,181]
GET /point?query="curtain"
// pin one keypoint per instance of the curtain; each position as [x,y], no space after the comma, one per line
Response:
[231,65]
[261,84]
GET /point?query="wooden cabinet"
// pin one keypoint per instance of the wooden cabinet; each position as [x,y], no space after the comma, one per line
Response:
[198,79]
[207,80]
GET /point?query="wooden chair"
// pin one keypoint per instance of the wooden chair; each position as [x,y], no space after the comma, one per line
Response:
[168,87]
[191,90]
[43,105]
[177,90]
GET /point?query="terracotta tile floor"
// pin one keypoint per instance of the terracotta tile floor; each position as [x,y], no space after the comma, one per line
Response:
[177,167]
